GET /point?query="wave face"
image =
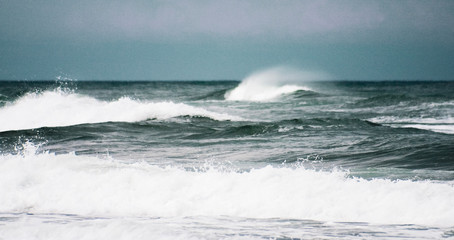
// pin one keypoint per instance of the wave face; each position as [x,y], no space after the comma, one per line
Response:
[271,83]
[48,183]
[181,160]
[58,108]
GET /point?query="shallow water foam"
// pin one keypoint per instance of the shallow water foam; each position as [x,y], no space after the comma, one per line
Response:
[88,185]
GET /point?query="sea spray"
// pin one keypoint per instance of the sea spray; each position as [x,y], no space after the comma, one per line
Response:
[271,83]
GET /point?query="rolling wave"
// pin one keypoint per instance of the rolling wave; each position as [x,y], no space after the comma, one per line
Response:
[58,108]
[271,83]
[67,183]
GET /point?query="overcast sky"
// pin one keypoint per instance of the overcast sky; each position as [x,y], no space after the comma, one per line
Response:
[201,39]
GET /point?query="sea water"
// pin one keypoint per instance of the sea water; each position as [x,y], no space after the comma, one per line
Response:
[270,157]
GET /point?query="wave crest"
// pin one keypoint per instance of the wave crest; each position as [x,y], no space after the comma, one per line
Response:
[272,83]
[58,108]
[440,125]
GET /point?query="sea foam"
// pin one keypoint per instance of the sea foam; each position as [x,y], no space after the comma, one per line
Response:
[92,186]
[58,108]
[271,83]
[441,124]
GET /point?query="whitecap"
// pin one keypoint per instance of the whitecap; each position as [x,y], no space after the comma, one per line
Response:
[92,186]
[271,83]
[58,108]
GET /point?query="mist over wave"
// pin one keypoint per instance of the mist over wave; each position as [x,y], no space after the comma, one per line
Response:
[57,108]
[89,185]
[271,83]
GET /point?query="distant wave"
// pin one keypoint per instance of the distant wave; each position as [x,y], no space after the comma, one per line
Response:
[58,108]
[272,83]
[441,125]
[87,185]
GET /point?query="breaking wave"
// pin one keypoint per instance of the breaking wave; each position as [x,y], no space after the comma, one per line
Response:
[89,185]
[271,83]
[58,108]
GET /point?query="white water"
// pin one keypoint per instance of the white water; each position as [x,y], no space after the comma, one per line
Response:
[90,186]
[57,226]
[57,108]
[271,83]
[441,125]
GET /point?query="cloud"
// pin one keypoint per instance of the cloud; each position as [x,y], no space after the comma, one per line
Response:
[253,19]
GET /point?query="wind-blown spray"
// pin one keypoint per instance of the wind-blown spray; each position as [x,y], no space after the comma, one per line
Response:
[273,82]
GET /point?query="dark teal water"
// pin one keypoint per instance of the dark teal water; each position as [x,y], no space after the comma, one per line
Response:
[376,134]
[348,124]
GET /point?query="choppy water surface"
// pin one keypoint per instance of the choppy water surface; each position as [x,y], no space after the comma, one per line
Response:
[257,159]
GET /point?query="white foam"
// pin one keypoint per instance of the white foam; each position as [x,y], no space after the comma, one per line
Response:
[393,119]
[441,125]
[58,108]
[271,83]
[58,226]
[64,227]
[449,129]
[47,183]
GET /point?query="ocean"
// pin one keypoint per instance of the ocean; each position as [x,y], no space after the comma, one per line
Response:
[251,159]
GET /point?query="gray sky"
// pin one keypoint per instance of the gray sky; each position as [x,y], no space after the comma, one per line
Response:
[201,39]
